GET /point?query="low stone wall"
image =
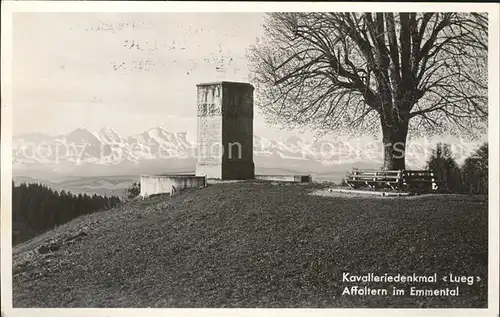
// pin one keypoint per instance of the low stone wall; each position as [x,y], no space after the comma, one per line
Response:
[285,178]
[152,184]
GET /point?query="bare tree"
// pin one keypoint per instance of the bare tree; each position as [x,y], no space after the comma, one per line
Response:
[381,73]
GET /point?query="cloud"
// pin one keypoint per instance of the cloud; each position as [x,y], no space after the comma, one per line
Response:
[78,59]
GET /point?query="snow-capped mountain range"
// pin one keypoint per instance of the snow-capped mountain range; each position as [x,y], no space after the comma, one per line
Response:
[158,150]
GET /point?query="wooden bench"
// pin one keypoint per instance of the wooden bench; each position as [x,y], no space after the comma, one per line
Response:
[392,179]
[373,179]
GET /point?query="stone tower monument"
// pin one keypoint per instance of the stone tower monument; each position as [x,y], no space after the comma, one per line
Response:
[225,130]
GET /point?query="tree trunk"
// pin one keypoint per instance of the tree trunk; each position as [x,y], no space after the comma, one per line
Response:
[394,138]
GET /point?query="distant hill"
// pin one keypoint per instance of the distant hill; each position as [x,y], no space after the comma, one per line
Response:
[96,158]
[116,185]
[100,185]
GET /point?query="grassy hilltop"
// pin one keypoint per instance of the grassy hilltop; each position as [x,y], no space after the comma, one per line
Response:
[255,244]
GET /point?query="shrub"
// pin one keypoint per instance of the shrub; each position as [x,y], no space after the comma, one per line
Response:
[475,171]
[134,190]
[445,168]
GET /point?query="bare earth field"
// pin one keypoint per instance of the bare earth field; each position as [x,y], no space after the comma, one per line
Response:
[257,244]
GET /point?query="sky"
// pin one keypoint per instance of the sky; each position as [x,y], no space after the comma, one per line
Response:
[126,71]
